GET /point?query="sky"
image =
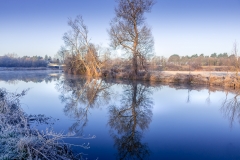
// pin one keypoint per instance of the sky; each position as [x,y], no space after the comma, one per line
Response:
[183,27]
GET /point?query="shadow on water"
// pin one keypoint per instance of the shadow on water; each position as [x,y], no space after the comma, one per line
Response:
[130,119]
[80,95]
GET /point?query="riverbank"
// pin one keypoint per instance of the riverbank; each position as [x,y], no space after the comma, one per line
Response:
[212,78]
[223,79]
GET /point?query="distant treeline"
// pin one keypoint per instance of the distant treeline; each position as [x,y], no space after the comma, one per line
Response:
[196,61]
[25,61]
[222,59]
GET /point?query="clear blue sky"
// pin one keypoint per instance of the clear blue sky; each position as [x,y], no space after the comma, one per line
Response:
[184,27]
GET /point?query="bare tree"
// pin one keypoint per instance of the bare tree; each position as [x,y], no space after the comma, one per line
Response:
[235,53]
[129,31]
[62,54]
[82,57]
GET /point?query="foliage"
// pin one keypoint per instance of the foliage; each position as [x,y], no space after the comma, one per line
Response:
[174,59]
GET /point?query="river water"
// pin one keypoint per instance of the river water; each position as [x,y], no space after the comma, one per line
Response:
[133,120]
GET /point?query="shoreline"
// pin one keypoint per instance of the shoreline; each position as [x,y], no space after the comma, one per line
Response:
[211,78]
[223,79]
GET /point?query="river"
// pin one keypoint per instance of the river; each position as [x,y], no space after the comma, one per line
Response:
[133,120]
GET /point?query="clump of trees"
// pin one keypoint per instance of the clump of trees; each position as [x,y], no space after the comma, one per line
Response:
[80,56]
[128,32]
[12,60]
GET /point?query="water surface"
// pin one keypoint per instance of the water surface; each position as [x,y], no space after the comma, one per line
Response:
[134,120]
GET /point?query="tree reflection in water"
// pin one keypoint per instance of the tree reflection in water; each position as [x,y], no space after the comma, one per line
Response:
[80,95]
[128,121]
[231,107]
[208,100]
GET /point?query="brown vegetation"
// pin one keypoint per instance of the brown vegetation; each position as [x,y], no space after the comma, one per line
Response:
[80,56]
[223,79]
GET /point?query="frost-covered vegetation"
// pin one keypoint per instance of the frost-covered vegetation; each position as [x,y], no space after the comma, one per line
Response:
[18,140]
[12,60]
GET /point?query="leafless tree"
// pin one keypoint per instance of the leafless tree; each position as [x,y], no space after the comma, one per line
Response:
[235,53]
[129,31]
[82,57]
[105,56]
[62,54]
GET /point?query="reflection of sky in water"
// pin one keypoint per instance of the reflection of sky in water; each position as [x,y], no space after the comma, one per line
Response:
[179,129]
[190,130]
[40,99]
